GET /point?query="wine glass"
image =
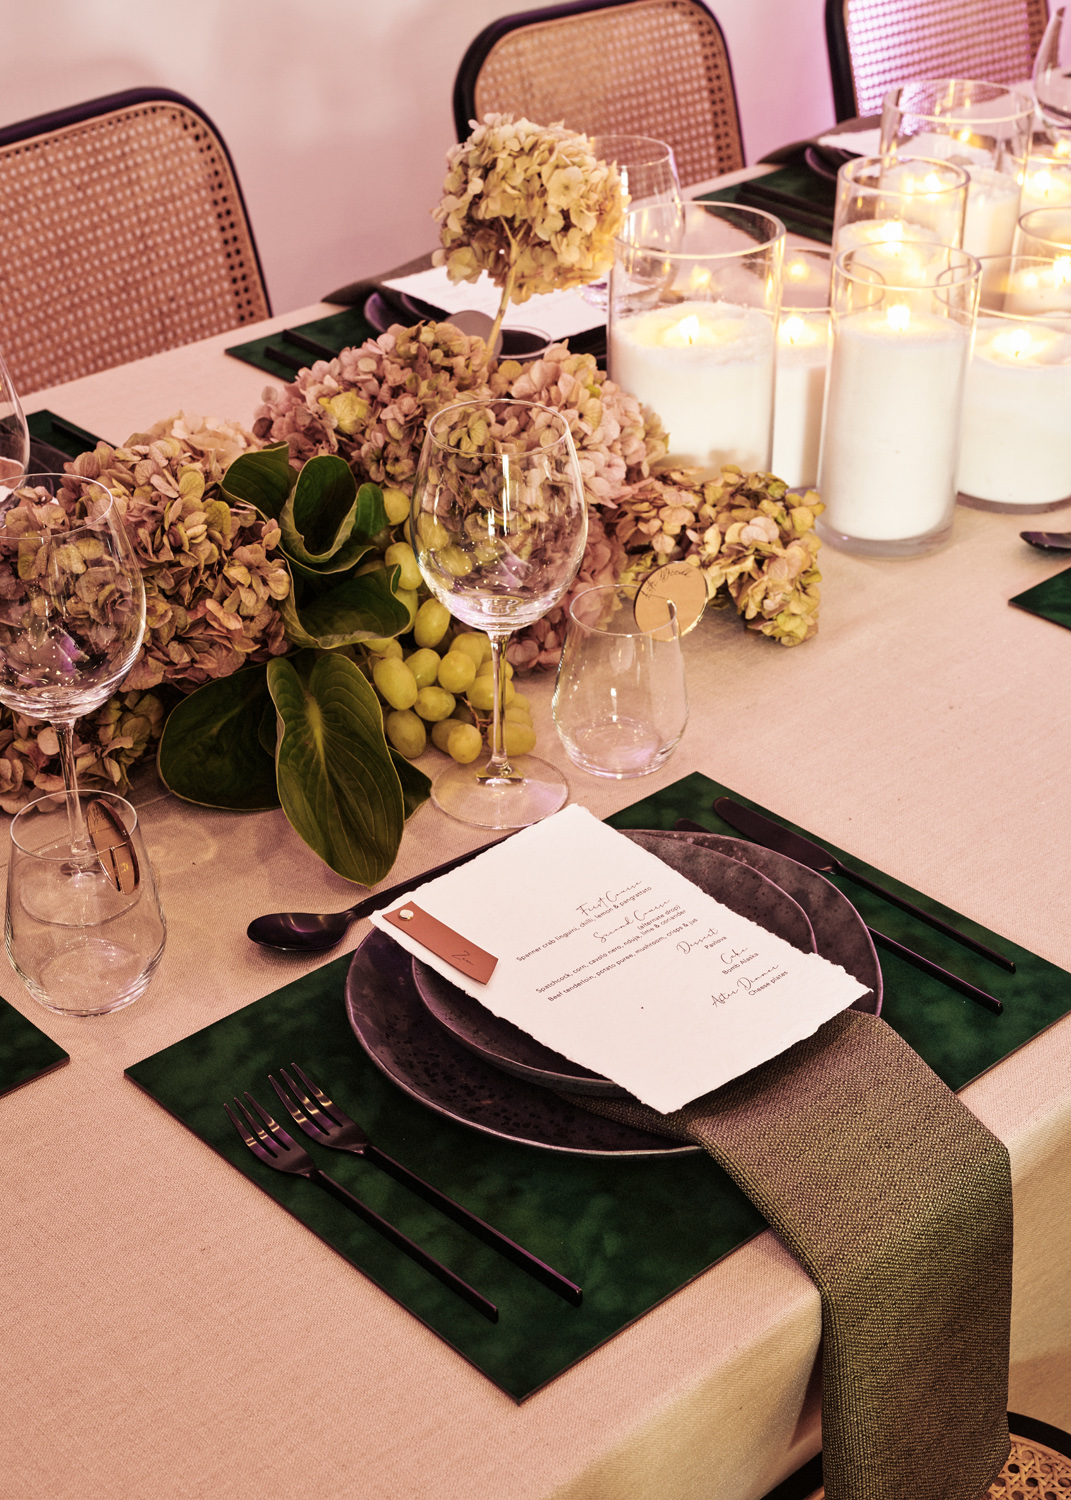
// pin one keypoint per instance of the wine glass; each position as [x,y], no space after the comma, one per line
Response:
[648,172]
[1052,72]
[72,612]
[499,525]
[14,433]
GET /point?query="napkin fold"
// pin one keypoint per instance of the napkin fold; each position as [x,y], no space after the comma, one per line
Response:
[896,1200]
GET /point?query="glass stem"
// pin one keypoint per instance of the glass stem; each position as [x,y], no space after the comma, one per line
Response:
[498,767]
[80,840]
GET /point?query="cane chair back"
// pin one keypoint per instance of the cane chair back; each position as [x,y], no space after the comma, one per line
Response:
[643,67]
[122,232]
[876,44]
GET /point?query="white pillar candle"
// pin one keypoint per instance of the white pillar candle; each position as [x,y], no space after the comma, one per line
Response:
[802,350]
[1016,443]
[707,369]
[890,439]
[992,212]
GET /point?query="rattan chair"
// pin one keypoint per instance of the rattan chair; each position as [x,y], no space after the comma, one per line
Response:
[876,44]
[122,232]
[637,67]
[1039,1464]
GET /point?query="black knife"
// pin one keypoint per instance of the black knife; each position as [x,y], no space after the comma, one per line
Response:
[806,852]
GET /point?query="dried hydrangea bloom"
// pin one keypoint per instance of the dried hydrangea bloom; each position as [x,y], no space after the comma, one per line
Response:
[529,204]
[754,542]
[372,402]
[107,744]
[213,573]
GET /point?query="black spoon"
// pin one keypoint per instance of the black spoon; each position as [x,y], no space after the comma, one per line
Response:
[1048,541]
[313,932]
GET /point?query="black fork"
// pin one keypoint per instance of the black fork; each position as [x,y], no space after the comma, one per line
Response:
[322,1120]
[270,1143]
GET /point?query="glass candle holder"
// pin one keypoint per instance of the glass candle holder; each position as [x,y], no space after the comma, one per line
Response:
[802,355]
[890,432]
[982,127]
[882,203]
[1015,450]
[692,330]
[1045,232]
[1046,176]
[620,705]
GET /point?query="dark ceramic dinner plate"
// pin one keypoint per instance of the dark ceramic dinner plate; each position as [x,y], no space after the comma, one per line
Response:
[412,1049]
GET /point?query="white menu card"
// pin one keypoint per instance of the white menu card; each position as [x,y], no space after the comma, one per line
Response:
[557,315]
[620,963]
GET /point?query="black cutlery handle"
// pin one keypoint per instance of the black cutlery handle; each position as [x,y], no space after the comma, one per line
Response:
[478,1227]
[924,916]
[408,1246]
[281,357]
[310,346]
[980,997]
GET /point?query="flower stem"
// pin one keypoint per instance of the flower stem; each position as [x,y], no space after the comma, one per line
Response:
[507,293]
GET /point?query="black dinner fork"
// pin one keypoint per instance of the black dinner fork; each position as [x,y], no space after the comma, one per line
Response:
[322,1120]
[271,1144]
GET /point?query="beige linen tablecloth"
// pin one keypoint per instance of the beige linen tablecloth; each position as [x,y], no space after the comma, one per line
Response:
[153,1298]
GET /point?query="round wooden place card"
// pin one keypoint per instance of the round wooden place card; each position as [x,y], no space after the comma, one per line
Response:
[677,583]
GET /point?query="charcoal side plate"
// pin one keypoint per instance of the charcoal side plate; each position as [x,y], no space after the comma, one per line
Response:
[736,884]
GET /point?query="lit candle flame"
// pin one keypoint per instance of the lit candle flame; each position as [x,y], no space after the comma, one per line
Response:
[689,329]
[1017,343]
[1061,270]
[792,330]
[899,316]
[797,270]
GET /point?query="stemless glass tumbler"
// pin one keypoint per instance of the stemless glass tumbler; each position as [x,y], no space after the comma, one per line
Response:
[620,704]
[84,935]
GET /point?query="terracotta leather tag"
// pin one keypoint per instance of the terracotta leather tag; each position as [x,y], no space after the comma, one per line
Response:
[443,941]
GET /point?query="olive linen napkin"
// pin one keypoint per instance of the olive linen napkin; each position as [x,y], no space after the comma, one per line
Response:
[896,1200]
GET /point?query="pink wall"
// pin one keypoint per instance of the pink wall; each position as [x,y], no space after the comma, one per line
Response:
[337,112]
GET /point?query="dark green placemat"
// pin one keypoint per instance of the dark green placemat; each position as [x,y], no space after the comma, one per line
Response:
[54,432]
[25,1051]
[630,1232]
[955,1036]
[801,199]
[280,357]
[1051,599]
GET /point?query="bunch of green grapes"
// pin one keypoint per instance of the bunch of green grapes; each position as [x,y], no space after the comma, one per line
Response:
[442,685]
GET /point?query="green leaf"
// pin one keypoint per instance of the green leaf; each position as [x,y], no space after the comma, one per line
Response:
[337,781]
[319,515]
[263,479]
[354,609]
[211,752]
[416,787]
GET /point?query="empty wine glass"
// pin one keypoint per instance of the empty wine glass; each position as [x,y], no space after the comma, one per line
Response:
[72,610]
[1052,72]
[499,525]
[14,434]
[648,172]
